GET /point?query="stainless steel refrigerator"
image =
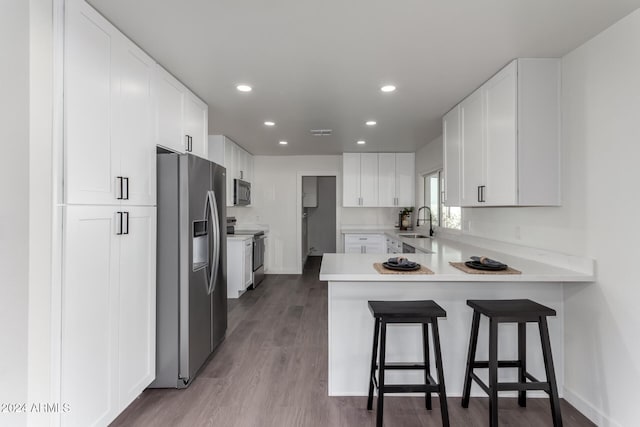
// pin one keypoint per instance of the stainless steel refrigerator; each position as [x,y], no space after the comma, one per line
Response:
[192,266]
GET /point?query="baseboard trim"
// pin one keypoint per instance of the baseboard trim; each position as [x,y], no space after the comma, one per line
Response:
[285,271]
[594,414]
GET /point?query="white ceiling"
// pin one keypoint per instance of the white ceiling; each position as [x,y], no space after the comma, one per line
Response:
[319,64]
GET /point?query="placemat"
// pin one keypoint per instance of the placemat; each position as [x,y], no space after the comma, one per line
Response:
[461,266]
[380,269]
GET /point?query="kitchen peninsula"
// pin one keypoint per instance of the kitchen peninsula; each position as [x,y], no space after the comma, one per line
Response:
[352,281]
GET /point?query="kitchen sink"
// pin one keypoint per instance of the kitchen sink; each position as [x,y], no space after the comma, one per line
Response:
[413,236]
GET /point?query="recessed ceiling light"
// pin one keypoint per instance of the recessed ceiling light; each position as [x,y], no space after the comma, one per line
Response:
[283,142]
[372,123]
[244,88]
[361,142]
[388,88]
[268,123]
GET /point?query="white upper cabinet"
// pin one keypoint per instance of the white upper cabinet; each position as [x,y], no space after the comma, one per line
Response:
[451,152]
[387,179]
[405,179]
[238,161]
[396,179]
[378,179]
[500,123]
[369,179]
[360,179]
[91,152]
[181,118]
[196,128]
[109,155]
[169,95]
[509,139]
[350,179]
[472,143]
[134,126]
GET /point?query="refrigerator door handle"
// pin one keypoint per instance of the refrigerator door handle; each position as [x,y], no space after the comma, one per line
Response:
[215,235]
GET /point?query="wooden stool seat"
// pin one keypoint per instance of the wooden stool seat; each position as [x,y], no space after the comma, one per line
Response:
[422,312]
[520,311]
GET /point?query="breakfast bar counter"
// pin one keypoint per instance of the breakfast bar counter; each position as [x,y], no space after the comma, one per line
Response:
[353,281]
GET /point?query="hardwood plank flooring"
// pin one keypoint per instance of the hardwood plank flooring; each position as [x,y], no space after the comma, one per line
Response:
[272,371]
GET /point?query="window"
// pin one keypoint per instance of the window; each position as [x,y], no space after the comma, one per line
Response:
[443,216]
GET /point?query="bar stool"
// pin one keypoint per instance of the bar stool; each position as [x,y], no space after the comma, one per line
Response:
[520,311]
[423,312]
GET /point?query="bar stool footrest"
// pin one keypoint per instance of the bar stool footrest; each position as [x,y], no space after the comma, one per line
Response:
[403,366]
[511,386]
[484,364]
[411,388]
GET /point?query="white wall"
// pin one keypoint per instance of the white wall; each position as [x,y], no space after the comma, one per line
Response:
[598,218]
[14,208]
[274,193]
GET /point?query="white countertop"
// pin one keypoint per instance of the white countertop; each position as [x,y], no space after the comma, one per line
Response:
[359,267]
[239,237]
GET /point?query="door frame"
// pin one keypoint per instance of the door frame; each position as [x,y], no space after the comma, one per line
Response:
[338,177]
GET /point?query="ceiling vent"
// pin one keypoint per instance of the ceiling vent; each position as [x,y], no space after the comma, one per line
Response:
[321,132]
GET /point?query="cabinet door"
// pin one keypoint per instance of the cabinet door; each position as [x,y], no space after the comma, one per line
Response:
[309,191]
[351,179]
[89,347]
[451,154]
[248,263]
[229,161]
[168,94]
[91,156]
[137,303]
[387,180]
[405,179]
[133,128]
[472,148]
[353,249]
[195,123]
[369,179]
[500,103]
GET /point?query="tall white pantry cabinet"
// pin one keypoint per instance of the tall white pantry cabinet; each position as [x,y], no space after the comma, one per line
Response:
[108,301]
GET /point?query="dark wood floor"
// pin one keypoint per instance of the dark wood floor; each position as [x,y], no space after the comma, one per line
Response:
[272,371]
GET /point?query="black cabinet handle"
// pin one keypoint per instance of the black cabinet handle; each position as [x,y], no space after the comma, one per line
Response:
[126,214]
[120,197]
[119,232]
[482,199]
[126,187]
[187,142]
[479,199]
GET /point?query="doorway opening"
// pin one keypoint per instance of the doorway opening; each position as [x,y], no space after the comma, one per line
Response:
[318,216]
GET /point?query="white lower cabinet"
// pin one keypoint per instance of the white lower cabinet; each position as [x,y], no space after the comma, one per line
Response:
[108,318]
[365,244]
[239,265]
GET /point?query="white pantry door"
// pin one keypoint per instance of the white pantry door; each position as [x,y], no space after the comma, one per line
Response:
[89,377]
[137,304]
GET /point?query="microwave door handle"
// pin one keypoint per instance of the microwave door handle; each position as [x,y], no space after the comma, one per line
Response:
[215,235]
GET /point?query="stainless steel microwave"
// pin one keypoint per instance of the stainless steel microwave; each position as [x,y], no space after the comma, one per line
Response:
[241,192]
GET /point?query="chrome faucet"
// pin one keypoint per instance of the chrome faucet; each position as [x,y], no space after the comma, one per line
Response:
[424,220]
